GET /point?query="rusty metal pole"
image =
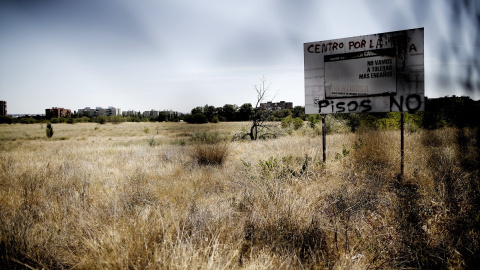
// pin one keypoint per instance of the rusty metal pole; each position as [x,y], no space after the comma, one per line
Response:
[324,139]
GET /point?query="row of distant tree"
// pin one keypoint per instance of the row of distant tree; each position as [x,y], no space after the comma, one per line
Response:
[440,112]
[230,113]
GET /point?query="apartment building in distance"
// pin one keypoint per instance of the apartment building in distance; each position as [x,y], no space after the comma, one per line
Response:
[130,113]
[276,106]
[151,113]
[99,111]
[3,108]
[57,112]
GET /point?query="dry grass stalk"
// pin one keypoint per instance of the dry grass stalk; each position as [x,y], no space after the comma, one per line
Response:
[104,199]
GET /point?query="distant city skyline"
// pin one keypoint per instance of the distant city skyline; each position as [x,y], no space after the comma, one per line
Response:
[178,54]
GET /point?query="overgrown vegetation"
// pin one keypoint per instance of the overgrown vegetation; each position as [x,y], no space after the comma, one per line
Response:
[104,198]
[441,112]
[209,148]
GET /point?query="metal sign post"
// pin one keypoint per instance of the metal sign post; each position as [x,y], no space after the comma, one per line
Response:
[402,145]
[324,139]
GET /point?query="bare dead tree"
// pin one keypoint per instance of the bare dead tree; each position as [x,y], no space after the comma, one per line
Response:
[260,127]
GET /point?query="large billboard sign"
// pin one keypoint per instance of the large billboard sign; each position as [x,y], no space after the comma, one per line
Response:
[374,73]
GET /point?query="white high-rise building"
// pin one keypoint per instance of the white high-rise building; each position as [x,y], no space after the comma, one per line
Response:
[99,111]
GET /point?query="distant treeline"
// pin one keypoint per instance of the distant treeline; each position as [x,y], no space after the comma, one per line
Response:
[168,116]
[231,113]
[439,112]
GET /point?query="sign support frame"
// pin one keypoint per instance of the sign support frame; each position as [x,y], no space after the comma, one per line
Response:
[324,139]
[381,72]
[402,144]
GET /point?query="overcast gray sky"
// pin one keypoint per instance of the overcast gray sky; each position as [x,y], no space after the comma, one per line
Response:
[179,54]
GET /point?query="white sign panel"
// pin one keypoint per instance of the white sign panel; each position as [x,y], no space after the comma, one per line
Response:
[374,73]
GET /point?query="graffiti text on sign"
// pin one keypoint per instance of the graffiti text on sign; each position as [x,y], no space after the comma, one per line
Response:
[321,48]
[411,102]
[362,44]
[344,107]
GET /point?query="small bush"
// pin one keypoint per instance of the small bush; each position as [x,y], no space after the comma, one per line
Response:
[210,154]
[181,142]
[287,121]
[55,120]
[209,148]
[206,137]
[152,142]
[102,119]
[333,125]
[297,123]
[83,119]
[49,130]
[313,119]
[116,119]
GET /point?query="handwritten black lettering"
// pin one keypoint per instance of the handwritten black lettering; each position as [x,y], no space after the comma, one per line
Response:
[411,103]
[366,105]
[364,76]
[340,107]
[412,48]
[324,47]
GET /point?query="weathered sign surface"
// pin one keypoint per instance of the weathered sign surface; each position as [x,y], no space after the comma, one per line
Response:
[374,73]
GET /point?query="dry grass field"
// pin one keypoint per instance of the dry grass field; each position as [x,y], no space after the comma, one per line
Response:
[141,196]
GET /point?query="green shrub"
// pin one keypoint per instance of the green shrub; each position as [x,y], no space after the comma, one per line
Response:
[116,119]
[297,123]
[387,123]
[83,119]
[49,130]
[334,125]
[55,120]
[353,121]
[313,119]
[102,119]
[215,119]
[151,141]
[287,121]
[27,120]
[206,137]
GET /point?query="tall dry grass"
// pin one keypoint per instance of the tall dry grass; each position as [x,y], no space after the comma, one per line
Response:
[112,201]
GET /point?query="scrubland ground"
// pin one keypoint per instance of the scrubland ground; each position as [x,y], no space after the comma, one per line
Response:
[140,196]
